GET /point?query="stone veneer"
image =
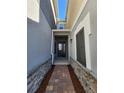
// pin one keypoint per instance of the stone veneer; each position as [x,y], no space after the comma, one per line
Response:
[35,78]
[86,78]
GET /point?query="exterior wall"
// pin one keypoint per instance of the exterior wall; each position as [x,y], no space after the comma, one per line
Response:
[45,6]
[90,28]
[39,35]
[35,78]
[38,43]
[86,78]
[33,10]
[74,7]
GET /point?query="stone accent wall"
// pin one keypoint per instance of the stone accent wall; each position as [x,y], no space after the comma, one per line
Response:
[86,78]
[35,78]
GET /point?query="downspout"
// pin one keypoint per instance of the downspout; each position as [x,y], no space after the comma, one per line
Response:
[52,48]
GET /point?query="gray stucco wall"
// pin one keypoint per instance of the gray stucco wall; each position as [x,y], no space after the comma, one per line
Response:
[38,42]
[45,6]
[91,7]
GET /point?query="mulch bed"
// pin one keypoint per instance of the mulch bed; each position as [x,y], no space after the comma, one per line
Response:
[77,86]
[45,81]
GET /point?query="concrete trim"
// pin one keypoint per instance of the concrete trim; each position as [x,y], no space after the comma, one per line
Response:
[53,9]
[61,30]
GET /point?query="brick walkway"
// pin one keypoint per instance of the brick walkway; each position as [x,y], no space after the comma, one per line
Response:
[60,81]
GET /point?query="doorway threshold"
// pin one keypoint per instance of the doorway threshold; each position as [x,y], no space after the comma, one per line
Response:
[61,61]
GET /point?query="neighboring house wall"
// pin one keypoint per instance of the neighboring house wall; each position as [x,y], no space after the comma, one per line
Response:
[90,28]
[47,10]
[39,35]
[38,42]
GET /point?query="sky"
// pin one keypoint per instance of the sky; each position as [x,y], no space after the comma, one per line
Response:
[62,4]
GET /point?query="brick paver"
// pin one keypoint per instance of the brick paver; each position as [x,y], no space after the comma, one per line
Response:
[60,81]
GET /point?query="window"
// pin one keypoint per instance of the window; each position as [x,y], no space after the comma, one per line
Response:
[60,46]
[80,43]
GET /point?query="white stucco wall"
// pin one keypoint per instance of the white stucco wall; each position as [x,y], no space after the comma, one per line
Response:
[39,37]
[88,20]
[33,9]
[86,25]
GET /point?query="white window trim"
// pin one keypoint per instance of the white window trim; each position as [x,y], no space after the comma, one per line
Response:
[87,31]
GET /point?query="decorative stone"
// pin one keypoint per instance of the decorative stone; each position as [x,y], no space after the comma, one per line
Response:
[86,79]
[36,77]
